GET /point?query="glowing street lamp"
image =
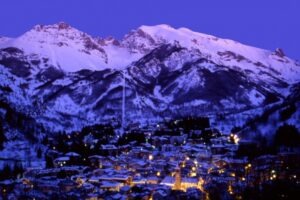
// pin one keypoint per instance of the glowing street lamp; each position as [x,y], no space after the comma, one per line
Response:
[150,157]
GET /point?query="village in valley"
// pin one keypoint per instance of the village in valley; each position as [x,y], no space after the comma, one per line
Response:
[178,159]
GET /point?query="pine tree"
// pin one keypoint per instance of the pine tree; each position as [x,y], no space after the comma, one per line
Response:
[287,135]
[2,136]
[49,162]
[18,170]
[39,153]
[6,172]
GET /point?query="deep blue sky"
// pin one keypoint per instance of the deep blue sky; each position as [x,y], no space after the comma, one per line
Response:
[263,23]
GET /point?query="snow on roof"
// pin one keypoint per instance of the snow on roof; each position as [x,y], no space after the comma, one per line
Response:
[96,157]
[168,180]
[152,178]
[114,177]
[109,184]
[72,154]
[189,180]
[64,158]
[108,146]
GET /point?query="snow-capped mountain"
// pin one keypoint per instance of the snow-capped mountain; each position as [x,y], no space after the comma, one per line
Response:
[65,78]
[71,50]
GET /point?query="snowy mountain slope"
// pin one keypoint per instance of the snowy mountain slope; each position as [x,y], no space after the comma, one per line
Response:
[70,49]
[197,78]
[226,52]
[4,39]
[67,79]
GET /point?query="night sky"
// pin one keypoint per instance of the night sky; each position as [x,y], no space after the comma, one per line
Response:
[263,23]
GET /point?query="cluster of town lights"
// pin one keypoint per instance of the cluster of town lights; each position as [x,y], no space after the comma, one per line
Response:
[273,175]
[234,138]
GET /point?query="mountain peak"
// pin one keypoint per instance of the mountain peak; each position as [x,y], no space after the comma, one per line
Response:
[58,26]
[156,27]
[279,52]
[166,33]
[59,34]
[53,32]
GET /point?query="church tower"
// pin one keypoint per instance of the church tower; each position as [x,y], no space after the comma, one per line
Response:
[177,185]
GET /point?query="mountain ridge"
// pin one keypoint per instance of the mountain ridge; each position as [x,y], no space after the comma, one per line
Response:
[166,33]
[72,79]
